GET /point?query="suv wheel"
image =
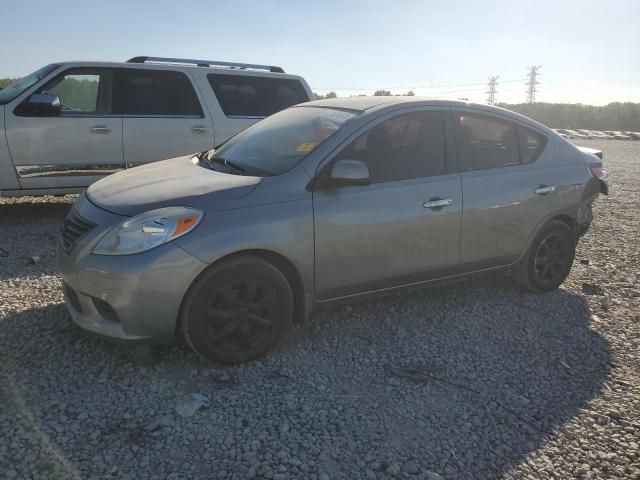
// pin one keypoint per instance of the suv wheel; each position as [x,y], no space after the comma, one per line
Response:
[237,311]
[549,259]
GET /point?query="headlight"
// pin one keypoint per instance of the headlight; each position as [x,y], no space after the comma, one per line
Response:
[148,230]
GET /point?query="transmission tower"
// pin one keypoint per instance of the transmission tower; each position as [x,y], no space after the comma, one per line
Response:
[493,82]
[532,82]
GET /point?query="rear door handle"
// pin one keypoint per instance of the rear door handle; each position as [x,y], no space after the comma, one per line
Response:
[100,129]
[543,190]
[437,203]
[199,129]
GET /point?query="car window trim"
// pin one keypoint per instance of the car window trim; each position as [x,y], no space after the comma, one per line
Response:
[326,162]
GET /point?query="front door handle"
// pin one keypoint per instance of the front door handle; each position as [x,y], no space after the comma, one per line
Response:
[437,203]
[543,190]
[100,129]
[199,129]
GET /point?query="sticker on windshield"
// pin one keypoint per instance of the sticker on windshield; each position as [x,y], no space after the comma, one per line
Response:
[305,147]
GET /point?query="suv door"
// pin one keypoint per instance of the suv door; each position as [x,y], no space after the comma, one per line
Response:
[162,115]
[506,192]
[386,234]
[76,147]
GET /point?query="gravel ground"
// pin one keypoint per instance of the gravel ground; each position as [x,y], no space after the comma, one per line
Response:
[473,380]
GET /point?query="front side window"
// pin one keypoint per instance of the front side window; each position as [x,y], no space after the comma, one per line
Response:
[156,93]
[251,96]
[278,143]
[485,142]
[11,91]
[407,146]
[83,91]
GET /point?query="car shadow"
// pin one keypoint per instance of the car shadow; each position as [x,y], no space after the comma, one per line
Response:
[464,380]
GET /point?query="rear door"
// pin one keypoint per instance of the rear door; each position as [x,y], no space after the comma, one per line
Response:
[506,191]
[162,115]
[72,149]
[388,234]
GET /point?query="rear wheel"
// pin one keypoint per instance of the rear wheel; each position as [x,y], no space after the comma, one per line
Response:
[237,311]
[548,260]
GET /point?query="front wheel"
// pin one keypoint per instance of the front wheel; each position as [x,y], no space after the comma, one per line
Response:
[237,311]
[549,259]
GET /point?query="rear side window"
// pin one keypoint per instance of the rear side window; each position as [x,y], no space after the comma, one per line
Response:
[485,142]
[404,147]
[156,92]
[531,144]
[249,96]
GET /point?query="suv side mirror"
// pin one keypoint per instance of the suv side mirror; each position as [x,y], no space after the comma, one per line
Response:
[43,104]
[349,172]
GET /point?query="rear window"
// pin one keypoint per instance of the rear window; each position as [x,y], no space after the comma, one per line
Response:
[156,92]
[531,144]
[249,96]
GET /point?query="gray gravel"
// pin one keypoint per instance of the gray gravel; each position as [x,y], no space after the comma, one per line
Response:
[473,380]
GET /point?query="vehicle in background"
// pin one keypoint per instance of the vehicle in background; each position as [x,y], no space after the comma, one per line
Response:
[586,133]
[597,135]
[565,133]
[617,135]
[328,201]
[70,124]
[633,135]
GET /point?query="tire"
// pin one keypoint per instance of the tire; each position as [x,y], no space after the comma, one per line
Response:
[237,311]
[549,259]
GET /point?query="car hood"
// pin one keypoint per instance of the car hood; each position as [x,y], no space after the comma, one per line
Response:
[174,182]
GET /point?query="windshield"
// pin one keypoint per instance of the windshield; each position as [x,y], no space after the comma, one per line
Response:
[11,91]
[277,143]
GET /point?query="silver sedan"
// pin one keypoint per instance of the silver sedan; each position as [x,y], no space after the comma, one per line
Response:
[323,202]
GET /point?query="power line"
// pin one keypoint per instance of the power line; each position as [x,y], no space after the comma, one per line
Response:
[532,82]
[493,81]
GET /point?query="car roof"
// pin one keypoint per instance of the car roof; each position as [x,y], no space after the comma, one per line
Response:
[374,104]
[175,66]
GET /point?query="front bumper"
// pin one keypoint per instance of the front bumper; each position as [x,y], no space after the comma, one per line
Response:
[131,297]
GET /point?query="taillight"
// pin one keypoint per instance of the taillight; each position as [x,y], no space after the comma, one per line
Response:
[599,172]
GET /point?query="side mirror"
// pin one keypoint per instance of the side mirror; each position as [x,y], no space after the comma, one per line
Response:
[43,104]
[349,172]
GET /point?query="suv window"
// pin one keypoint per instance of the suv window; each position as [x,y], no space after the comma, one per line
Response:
[531,144]
[249,96]
[83,90]
[156,92]
[407,146]
[485,142]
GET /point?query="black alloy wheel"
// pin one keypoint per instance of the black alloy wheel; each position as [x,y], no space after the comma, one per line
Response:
[237,311]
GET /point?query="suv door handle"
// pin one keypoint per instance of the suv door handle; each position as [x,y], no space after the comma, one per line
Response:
[199,129]
[543,190]
[100,129]
[437,203]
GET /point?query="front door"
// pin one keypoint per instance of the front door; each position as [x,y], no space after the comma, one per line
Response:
[75,148]
[390,233]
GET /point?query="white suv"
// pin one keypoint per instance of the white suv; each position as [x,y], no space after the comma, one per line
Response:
[69,124]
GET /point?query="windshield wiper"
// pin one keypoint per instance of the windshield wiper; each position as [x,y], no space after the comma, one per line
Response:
[227,163]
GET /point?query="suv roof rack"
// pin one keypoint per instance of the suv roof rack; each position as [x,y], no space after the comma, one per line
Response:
[205,63]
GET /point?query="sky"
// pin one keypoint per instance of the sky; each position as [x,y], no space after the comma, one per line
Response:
[589,50]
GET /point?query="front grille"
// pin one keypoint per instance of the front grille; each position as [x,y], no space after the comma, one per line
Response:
[73,229]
